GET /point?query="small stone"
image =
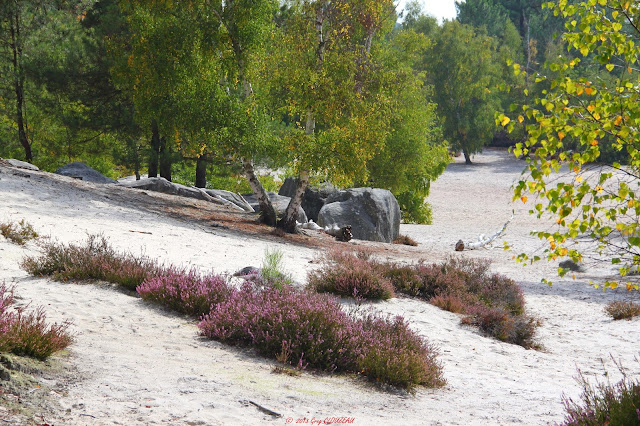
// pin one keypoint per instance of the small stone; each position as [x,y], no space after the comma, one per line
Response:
[5,375]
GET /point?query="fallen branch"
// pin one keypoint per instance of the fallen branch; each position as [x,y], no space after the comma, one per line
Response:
[265,410]
[482,241]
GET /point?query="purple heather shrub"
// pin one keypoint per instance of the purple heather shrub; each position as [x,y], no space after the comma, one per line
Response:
[351,275]
[605,403]
[307,329]
[185,292]
[28,333]
[393,354]
[312,327]
[494,303]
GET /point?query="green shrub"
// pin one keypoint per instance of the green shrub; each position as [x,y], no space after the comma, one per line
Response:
[18,233]
[96,260]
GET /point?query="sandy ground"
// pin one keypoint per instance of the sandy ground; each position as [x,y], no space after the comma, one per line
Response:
[133,363]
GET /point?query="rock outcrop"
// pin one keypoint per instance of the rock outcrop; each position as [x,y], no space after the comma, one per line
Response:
[373,213]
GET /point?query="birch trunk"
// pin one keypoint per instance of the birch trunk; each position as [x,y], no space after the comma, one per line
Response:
[267,212]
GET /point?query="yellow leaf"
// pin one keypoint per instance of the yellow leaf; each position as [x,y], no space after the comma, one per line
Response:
[579,179]
[561,135]
[618,120]
[594,143]
[505,121]
[520,119]
[590,108]
[563,251]
[588,90]
[524,199]
[631,203]
[599,189]
[613,285]
[579,91]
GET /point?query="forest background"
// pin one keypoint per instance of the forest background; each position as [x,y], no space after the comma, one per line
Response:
[208,93]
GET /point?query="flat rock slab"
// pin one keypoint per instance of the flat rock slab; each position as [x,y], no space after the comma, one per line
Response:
[22,164]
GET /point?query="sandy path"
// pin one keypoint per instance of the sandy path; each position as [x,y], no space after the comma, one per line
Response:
[138,364]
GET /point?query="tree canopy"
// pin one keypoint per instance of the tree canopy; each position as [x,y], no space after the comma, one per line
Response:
[585,111]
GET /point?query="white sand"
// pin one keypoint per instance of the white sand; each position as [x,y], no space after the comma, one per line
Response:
[133,363]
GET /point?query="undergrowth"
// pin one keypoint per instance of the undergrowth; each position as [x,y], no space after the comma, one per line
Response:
[299,328]
[493,303]
[28,333]
[185,291]
[18,233]
[307,329]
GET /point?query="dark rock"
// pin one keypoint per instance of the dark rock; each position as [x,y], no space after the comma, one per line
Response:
[571,265]
[373,213]
[5,374]
[81,171]
[247,270]
[313,198]
[279,202]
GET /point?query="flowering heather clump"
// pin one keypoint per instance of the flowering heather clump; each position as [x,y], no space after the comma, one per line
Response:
[95,260]
[351,275]
[606,404]
[494,303]
[395,355]
[29,334]
[309,329]
[185,292]
[622,310]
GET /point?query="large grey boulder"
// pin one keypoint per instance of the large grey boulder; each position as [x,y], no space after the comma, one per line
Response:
[373,213]
[279,202]
[313,198]
[81,171]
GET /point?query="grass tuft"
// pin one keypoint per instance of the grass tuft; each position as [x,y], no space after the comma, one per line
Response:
[622,310]
[19,233]
[28,333]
